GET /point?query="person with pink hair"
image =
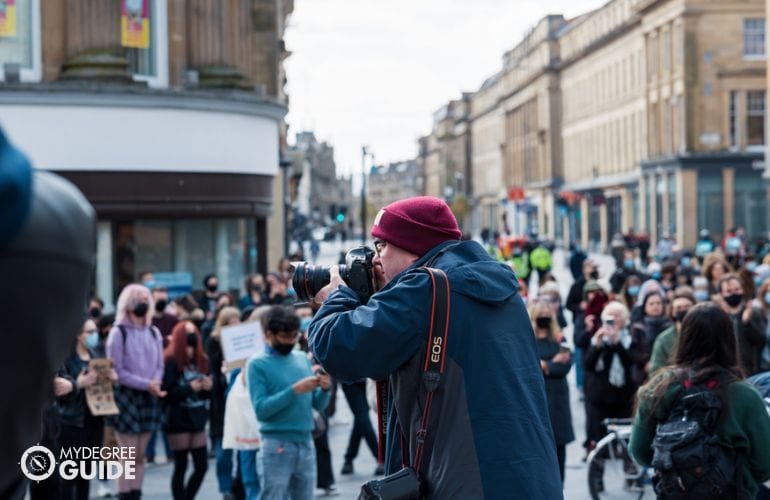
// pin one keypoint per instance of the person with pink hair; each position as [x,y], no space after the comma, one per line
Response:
[136,350]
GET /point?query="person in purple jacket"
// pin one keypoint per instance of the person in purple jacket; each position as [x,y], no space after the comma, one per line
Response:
[136,350]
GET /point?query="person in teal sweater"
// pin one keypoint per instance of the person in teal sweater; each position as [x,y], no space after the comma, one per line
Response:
[707,353]
[284,390]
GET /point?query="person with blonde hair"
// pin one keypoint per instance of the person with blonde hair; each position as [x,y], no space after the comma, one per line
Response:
[555,363]
[608,361]
[227,316]
[136,350]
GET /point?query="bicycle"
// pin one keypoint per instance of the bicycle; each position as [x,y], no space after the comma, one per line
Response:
[612,470]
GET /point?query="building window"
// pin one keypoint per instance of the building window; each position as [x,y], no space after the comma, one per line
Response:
[732,107]
[755,118]
[754,38]
[20,41]
[151,65]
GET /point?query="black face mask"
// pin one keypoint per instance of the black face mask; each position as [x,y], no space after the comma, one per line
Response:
[543,322]
[283,349]
[141,310]
[212,287]
[160,306]
[594,275]
[95,312]
[734,299]
[679,316]
[192,340]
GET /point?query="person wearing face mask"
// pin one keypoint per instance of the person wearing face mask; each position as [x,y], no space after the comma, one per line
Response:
[95,308]
[188,385]
[162,320]
[555,363]
[748,322]
[136,350]
[645,330]
[207,298]
[284,390]
[621,274]
[762,303]
[255,292]
[229,316]
[700,287]
[630,291]
[79,427]
[575,295]
[663,348]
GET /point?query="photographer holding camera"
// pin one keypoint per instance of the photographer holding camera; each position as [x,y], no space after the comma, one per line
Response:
[487,433]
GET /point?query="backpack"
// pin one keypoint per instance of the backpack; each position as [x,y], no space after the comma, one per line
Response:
[689,458]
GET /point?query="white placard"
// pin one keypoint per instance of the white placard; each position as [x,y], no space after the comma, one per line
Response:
[240,342]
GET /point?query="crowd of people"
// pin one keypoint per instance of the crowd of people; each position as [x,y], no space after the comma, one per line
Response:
[640,333]
[171,384]
[632,341]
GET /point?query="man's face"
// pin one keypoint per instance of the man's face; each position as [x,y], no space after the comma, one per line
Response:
[732,287]
[159,295]
[392,259]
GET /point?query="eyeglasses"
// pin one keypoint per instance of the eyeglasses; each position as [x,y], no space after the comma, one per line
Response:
[378,246]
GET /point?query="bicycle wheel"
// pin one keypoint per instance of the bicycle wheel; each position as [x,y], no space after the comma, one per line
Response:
[612,474]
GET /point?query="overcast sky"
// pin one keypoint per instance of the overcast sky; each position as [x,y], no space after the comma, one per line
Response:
[373,72]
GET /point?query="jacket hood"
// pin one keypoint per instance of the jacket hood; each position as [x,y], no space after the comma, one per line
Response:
[472,271]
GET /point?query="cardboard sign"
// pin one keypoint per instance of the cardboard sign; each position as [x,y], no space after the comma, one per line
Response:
[100,396]
[240,342]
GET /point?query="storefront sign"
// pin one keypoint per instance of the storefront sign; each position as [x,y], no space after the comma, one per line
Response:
[8,18]
[177,284]
[135,24]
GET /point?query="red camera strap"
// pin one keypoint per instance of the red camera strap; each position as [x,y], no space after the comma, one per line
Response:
[433,369]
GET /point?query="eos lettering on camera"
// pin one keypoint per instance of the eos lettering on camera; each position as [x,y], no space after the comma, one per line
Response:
[356,272]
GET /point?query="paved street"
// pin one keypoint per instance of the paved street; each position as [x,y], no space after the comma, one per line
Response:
[157,479]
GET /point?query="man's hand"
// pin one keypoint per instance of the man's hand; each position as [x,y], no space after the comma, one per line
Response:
[324,380]
[378,277]
[334,282]
[746,317]
[307,384]
[62,386]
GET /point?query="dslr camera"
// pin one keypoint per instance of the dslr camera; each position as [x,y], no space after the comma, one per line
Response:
[356,273]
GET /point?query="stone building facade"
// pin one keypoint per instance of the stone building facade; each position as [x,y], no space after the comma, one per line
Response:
[176,145]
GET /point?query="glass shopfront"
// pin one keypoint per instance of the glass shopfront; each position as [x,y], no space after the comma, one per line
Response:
[226,247]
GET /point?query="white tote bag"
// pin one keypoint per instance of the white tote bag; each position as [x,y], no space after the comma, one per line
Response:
[241,430]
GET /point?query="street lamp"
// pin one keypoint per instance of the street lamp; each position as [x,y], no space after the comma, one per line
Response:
[284,163]
[364,152]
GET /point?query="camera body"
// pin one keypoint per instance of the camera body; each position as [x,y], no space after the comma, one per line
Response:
[357,273]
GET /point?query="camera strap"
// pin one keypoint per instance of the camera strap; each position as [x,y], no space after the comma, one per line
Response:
[433,369]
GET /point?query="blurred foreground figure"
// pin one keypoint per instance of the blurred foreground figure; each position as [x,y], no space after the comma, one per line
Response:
[47,251]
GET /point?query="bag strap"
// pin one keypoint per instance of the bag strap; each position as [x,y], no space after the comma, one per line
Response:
[433,369]
[435,355]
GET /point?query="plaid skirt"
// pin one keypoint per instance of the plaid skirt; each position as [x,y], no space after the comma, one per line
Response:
[140,411]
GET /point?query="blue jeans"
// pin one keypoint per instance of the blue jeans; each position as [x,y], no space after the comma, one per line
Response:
[578,357]
[287,469]
[249,476]
[224,460]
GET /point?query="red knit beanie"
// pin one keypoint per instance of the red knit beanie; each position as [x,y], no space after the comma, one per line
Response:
[416,224]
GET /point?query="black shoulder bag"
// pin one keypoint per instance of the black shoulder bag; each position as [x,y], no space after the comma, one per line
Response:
[407,484]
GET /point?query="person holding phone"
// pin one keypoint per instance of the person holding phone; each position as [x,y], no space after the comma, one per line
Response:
[609,359]
[188,385]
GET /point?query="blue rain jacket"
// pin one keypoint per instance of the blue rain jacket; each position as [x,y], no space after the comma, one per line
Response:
[489,434]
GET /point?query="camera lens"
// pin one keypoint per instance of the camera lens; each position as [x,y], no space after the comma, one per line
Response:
[308,280]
